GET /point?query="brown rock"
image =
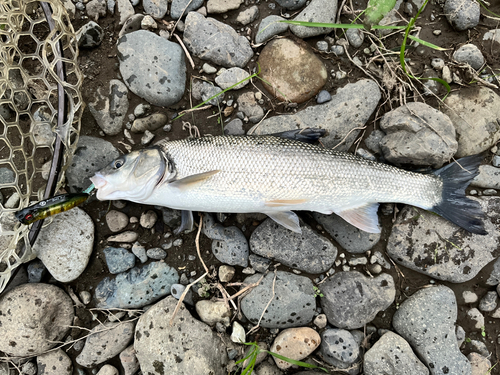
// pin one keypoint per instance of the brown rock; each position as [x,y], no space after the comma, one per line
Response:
[295,343]
[293,70]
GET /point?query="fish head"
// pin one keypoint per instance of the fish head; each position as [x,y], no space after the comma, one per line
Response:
[131,177]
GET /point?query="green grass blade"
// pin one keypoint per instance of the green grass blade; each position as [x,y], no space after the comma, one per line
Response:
[294,362]
[427,44]
[377,9]
[485,8]
[340,25]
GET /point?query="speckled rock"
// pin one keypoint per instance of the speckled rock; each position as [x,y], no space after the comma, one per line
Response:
[212,312]
[295,343]
[231,76]
[118,259]
[323,11]
[339,348]
[54,362]
[291,4]
[186,6]
[129,361]
[152,122]
[155,8]
[462,14]
[116,220]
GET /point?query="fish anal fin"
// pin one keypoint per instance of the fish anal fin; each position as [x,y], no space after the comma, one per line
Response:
[364,217]
[190,182]
[284,202]
[288,219]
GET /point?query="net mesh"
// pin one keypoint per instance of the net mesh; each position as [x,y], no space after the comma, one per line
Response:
[29,55]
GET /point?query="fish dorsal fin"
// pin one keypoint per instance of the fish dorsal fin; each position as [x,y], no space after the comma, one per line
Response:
[288,219]
[190,182]
[284,202]
[364,217]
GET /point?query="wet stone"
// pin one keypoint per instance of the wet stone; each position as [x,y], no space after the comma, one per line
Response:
[118,259]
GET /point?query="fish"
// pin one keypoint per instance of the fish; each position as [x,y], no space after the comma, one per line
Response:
[276,176]
[50,207]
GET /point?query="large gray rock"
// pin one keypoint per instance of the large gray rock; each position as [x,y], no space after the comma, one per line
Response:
[33,318]
[291,4]
[307,251]
[293,304]
[488,177]
[91,155]
[418,134]
[350,299]
[431,245]
[323,11]
[215,41]
[156,8]
[392,355]
[185,347]
[152,67]
[352,239]
[65,245]
[222,6]
[136,288]
[462,14]
[427,321]
[109,110]
[349,108]
[474,112]
[183,7]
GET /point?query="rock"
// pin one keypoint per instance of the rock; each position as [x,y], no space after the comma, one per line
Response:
[460,333]
[125,9]
[137,287]
[65,245]
[349,108]
[323,97]
[476,317]
[105,341]
[90,35]
[441,249]
[36,271]
[181,8]
[323,11]
[392,354]
[118,259]
[230,77]
[427,321]
[152,67]
[293,303]
[229,244]
[116,220]
[308,252]
[213,312]
[474,112]
[33,317]
[418,134]
[131,24]
[156,253]
[469,297]
[493,35]
[269,27]
[109,110]
[339,348]
[140,252]
[209,39]
[480,365]
[266,368]
[258,263]
[238,334]
[462,14]
[489,301]
[96,9]
[469,54]
[129,361]
[222,6]
[480,347]
[148,219]
[226,273]
[348,236]
[54,362]
[296,344]
[291,4]
[156,8]
[494,278]
[355,37]
[151,123]
[248,105]
[234,127]
[188,346]
[352,299]
[248,15]
[203,90]
[127,236]
[291,71]
[209,69]
[85,296]
[488,177]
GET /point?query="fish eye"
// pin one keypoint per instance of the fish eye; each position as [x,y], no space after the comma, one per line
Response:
[118,163]
[28,217]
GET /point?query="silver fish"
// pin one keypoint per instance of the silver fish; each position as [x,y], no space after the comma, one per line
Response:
[274,176]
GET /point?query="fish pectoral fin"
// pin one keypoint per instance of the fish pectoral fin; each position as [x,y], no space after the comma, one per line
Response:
[186,222]
[285,202]
[364,217]
[190,182]
[288,219]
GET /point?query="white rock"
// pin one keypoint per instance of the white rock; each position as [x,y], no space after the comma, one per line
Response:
[238,335]
[128,236]
[108,370]
[148,219]
[54,362]
[129,361]
[116,220]
[295,343]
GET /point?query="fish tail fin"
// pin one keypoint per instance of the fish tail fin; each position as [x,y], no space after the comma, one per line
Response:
[455,206]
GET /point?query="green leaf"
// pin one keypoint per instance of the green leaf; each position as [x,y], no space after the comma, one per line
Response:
[294,362]
[377,9]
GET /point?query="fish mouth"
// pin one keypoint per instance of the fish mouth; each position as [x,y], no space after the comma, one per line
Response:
[98,180]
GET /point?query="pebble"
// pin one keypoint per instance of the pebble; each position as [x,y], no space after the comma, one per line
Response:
[36,271]
[129,361]
[144,55]
[152,122]
[55,362]
[109,109]
[355,37]
[140,252]
[392,354]
[291,71]
[125,10]
[248,105]
[209,39]
[226,273]
[118,259]
[127,236]
[183,7]
[85,296]
[480,365]
[269,27]
[323,11]
[222,6]
[238,334]
[427,321]
[291,4]
[147,137]
[156,253]
[480,348]
[131,24]
[308,251]
[65,245]
[476,318]
[202,90]
[230,77]
[196,348]
[89,35]
[488,177]
[353,262]
[209,69]
[178,242]
[155,8]
[469,297]
[178,289]
[108,370]
[213,312]
[34,318]
[258,263]
[462,14]
[116,220]
[352,299]
[148,219]
[28,368]
[320,321]
[293,304]
[296,344]
[339,348]
[128,289]
[105,341]
[248,15]
[323,97]
[489,301]
[458,261]
[234,127]
[96,9]
[322,46]
[460,333]
[437,64]
[348,236]
[469,54]
[337,51]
